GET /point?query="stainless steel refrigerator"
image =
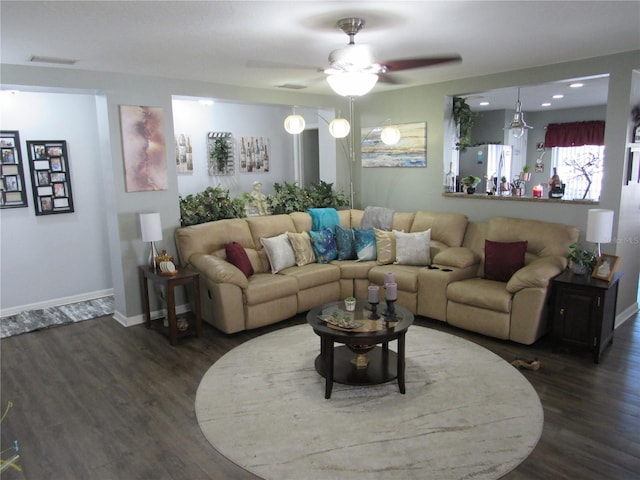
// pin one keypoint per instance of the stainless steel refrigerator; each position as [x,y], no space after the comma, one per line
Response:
[487,162]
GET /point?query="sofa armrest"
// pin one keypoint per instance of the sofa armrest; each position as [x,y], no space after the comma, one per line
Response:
[537,274]
[459,257]
[218,270]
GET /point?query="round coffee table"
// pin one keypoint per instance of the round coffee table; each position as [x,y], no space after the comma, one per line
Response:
[364,357]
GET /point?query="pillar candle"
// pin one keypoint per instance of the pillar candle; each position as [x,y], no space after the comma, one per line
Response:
[537,191]
[389,277]
[374,294]
[392,291]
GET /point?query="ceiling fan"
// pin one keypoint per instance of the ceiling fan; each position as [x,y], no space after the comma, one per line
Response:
[359,60]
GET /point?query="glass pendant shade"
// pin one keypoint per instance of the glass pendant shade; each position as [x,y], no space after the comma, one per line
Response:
[294,124]
[339,128]
[518,126]
[390,135]
[352,84]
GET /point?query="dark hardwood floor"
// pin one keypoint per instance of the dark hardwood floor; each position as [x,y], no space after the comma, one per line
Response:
[95,400]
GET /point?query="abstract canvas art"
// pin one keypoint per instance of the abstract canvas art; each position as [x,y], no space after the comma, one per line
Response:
[144,148]
[409,151]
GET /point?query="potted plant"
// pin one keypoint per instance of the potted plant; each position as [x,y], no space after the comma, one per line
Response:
[504,185]
[350,304]
[525,175]
[469,183]
[581,260]
[464,117]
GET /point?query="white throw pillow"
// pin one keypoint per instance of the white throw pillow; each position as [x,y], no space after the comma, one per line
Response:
[413,248]
[279,251]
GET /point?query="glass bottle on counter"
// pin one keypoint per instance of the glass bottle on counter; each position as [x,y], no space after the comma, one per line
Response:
[450,180]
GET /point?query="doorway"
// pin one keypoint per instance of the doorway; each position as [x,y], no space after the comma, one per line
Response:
[310,160]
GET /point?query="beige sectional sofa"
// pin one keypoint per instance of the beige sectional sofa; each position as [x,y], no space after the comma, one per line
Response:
[452,289]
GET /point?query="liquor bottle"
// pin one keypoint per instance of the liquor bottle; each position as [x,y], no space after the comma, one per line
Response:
[450,180]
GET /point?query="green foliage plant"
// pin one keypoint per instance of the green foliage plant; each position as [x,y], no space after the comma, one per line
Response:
[579,255]
[208,205]
[220,153]
[464,118]
[290,197]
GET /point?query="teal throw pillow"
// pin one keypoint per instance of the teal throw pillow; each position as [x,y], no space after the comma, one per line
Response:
[365,244]
[346,243]
[324,245]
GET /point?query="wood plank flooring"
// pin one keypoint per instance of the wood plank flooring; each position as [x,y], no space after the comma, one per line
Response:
[95,400]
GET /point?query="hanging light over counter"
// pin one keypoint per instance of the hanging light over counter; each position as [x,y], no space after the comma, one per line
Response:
[518,126]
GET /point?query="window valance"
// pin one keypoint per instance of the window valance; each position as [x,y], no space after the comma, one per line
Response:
[574,134]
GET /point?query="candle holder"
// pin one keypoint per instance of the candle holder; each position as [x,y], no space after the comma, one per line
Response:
[374,311]
[391,312]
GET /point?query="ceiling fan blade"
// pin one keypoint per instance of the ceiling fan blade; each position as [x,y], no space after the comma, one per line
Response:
[409,63]
[388,79]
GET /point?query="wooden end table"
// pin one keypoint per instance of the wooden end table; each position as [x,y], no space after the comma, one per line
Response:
[583,311]
[360,361]
[183,277]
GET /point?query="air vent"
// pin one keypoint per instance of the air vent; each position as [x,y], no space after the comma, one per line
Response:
[292,86]
[58,61]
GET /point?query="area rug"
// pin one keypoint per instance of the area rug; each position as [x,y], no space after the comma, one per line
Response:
[466,414]
[41,318]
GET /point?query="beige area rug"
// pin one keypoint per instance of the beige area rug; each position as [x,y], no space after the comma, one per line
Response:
[466,414]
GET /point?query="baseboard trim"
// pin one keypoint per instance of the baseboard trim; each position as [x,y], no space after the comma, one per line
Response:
[57,302]
[626,314]
[139,319]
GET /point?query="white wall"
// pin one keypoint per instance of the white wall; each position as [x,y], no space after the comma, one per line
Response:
[47,259]
[242,120]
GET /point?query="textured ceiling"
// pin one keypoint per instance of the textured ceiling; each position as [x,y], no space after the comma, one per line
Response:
[266,44]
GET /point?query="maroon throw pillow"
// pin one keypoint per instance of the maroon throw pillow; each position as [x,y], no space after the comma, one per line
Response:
[238,257]
[502,260]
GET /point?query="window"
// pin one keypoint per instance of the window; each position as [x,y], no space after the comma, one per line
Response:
[580,169]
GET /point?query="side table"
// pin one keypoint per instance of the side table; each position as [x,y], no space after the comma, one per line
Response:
[183,277]
[583,311]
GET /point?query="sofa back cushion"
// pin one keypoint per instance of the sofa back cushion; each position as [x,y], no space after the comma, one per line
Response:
[544,238]
[446,228]
[211,237]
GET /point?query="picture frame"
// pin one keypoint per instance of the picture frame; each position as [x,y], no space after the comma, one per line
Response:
[50,176]
[409,151]
[606,267]
[13,193]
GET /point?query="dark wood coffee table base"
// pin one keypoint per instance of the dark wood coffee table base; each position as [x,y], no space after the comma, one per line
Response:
[382,367]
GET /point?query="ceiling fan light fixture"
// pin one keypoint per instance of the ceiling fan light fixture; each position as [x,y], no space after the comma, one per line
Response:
[339,128]
[294,124]
[390,135]
[352,84]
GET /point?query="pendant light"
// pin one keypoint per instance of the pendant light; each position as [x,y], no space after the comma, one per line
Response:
[390,135]
[294,123]
[339,127]
[518,126]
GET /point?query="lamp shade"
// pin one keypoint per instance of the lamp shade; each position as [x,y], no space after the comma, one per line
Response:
[339,128]
[352,84]
[151,227]
[294,124]
[599,225]
[390,135]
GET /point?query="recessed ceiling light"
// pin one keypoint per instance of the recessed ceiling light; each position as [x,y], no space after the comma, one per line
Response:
[576,85]
[558,96]
[545,104]
[483,104]
[205,101]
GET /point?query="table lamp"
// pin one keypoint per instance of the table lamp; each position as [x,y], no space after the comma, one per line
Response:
[599,227]
[151,229]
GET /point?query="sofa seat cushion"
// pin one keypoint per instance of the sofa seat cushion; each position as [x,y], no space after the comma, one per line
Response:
[264,287]
[313,274]
[354,269]
[406,276]
[479,292]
